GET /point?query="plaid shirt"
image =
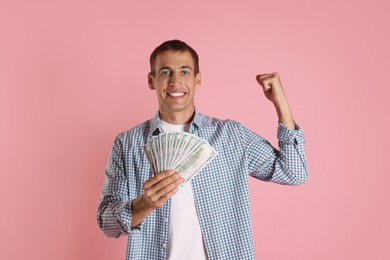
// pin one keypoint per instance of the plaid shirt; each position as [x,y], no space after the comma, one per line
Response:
[221,189]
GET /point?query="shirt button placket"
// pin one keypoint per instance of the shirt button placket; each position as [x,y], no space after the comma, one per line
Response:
[164,245]
[165,231]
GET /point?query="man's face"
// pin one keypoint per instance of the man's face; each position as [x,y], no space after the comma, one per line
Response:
[175,82]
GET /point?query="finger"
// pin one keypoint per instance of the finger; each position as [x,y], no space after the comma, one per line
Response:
[158,189]
[268,84]
[161,201]
[261,77]
[157,178]
[165,182]
[262,80]
[167,191]
[168,195]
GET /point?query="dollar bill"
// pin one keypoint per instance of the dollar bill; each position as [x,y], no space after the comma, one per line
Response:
[195,161]
[183,152]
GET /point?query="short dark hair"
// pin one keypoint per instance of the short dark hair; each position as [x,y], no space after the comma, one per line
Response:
[173,45]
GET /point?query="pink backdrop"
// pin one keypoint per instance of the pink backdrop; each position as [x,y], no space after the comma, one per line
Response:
[73,75]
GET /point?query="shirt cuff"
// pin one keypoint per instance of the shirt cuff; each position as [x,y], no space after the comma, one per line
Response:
[288,135]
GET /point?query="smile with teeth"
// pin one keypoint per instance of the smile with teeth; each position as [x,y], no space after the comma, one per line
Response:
[176,94]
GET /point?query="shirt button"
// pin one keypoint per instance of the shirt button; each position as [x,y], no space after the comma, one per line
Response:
[166,220]
[164,245]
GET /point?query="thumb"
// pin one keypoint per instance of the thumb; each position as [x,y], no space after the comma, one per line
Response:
[265,81]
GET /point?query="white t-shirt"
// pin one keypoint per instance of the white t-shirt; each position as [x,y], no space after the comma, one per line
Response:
[185,239]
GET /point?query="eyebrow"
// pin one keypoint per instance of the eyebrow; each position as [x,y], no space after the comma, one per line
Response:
[181,67]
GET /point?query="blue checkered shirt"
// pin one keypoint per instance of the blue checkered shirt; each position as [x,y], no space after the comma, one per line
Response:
[221,189]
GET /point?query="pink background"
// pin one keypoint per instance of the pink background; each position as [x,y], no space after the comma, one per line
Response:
[73,75]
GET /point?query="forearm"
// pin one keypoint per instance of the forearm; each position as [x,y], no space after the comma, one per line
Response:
[284,113]
[118,219]
[139,212]
[288,165]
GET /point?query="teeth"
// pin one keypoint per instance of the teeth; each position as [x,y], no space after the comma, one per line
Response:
[176,94]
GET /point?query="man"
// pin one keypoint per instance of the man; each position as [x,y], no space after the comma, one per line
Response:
[208,218]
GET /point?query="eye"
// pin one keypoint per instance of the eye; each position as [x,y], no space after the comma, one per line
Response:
[185,72]
[165,73]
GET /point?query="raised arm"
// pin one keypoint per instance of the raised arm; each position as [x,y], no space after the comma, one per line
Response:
[288,164]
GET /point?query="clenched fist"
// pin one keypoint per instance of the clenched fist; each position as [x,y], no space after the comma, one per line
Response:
[273,90]
[272,87]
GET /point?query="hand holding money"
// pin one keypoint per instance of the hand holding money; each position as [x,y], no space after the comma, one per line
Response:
[161,187]
[175,158]
[157,190]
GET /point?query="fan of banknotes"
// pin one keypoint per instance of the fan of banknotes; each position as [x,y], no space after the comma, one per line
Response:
[183,152]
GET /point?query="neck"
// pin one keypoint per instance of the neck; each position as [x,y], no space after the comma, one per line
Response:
[177,118]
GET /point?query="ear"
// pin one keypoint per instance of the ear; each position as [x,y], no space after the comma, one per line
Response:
[198,79]
[151,81]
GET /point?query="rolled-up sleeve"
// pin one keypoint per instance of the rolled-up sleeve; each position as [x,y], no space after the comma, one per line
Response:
[114,211]
[285,166]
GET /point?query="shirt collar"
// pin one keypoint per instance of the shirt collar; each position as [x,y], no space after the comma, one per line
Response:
[199,121]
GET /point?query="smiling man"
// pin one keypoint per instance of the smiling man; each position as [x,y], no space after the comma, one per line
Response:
[209,217]
[175,80]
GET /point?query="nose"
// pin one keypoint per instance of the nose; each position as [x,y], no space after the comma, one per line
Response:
[173,80]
